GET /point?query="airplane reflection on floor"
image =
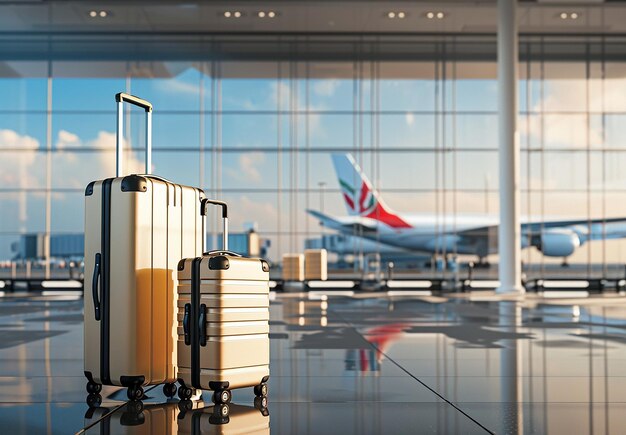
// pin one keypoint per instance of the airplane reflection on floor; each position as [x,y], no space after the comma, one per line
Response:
[354,365]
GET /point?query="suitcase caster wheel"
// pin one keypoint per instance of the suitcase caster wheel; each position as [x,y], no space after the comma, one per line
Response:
[135,392]
[260,390]
[221,396]
[260,403]
[185,393]
[222,410]
[93,388]
[169,390]
[94,400]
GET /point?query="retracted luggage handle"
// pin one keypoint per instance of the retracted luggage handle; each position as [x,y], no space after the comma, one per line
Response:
[203,211]
[95,280]
[122,98]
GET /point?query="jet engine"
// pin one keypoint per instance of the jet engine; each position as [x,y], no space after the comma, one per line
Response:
[558,242]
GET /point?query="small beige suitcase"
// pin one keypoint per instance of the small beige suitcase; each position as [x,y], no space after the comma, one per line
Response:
[223,322]
[315,265]
[137,228]
[293,267]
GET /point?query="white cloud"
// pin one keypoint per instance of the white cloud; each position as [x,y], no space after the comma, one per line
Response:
[66,139]
[281,95]
[248,165]
[16,166]
[325,88]
[177,86]
[567,129]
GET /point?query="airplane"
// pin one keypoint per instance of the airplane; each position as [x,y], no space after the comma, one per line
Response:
[371,219]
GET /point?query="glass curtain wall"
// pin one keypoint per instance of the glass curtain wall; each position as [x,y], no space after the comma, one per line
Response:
[260,134]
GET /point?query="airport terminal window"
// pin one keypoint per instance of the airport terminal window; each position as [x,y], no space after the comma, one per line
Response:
[260,134]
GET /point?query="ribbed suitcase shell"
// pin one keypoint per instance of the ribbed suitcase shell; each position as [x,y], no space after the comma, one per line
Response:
[150,230]
[237,327]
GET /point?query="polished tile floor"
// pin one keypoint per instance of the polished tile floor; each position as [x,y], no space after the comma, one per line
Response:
[359,364]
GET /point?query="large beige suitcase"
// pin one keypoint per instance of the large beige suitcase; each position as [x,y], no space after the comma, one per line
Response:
[137,228]
[223,328]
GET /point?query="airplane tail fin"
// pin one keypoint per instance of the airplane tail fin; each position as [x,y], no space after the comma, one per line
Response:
[360,197]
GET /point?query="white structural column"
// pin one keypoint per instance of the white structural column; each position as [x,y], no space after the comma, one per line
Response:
[509,233]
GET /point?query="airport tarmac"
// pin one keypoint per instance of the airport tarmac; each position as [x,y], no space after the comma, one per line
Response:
[359,364]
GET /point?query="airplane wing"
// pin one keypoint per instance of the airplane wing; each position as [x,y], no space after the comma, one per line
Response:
[483,239]
[353,226]
[537,227]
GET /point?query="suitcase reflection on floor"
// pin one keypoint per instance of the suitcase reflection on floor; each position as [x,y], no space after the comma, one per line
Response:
[222,419]
[185,417]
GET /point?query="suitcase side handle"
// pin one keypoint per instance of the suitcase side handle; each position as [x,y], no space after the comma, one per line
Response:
[203,212]
[122,98]
[202,325]
[95,280]
[186,319]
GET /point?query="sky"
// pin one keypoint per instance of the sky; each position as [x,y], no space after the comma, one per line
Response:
[409,173]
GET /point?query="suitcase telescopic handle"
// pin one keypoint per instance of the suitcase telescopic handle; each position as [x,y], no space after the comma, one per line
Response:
[122,98]
[95,280]
[203,211]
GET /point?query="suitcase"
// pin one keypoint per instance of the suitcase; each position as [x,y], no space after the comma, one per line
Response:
[293,267]
[223,322]
[137,228]
[315,265]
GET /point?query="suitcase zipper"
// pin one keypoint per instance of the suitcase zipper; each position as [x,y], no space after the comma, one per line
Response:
[194,326]
[104,283]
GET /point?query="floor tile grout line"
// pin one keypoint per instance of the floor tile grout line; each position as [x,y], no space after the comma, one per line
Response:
[414,377]
[86,428]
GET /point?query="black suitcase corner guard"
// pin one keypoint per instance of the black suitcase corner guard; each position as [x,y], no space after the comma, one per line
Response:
[265,266]
[134,183]
[89,189]
[181,264]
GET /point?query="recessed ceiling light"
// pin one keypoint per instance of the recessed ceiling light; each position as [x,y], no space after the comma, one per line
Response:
[227,14]
[237,14]
[401,15]
[391,14]
[569,16]
[439,15]
[93,14]
[271,14]
[261,14]
[103,14]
